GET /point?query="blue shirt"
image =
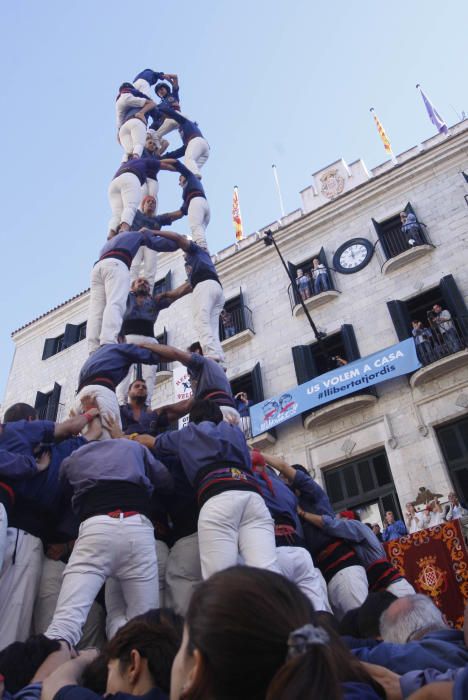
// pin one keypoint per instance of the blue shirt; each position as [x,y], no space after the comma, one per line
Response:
[199,265]
[151,76]
[171,100]
[23,436]
[16,466]
[394,531]
[129,243]
[206,445]
[149,422]
[192,188]
[281,502]
[188,129]
[142,168]
[313,498]
[152,222]
[208,377]
[365,543]
[113,362]
[147,310]
[181,504]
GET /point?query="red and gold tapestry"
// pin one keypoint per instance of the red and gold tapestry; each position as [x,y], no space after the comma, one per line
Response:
[435,561]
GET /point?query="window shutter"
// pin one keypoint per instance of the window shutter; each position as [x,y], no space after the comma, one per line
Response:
[322,257]
[257,384]
[409,209]
[350,342]
[401,318]
[241,312]
[455,303]
[292,271]
[71,335]
[304,363]
[49,348]
[53,402]
[163,337]
[381,236]
[41,400]
[168,281]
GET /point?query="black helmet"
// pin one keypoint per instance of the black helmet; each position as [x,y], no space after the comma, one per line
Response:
[158,86]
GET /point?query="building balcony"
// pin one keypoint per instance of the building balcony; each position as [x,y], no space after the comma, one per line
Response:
[338,409]
[314,296]
[259,442]
[441,354]
[396,249]
[236,327]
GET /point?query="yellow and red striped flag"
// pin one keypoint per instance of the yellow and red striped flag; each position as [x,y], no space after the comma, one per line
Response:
[383,135]
[236,216]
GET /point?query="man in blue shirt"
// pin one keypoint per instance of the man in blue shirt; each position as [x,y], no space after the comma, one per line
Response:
[207,293]
[394,529]
[194,146]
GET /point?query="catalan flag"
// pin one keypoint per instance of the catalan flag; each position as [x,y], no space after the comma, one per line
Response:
[236,216]
[383,135]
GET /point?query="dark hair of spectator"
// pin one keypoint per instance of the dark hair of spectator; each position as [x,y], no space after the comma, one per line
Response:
[136,380]
[156,635]
[205,409]
[300,468]
[95,675]
[19,661]
[195,347]
[239,620]
[370,611]
[19,411]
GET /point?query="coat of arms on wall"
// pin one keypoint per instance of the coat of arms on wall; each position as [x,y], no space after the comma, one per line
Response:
[332,184]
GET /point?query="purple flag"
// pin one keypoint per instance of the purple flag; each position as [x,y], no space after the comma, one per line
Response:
[434,115]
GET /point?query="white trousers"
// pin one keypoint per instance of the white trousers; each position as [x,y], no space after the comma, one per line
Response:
[296,564]
[46,601]
[124,194]
[110,285]
[19,583]
[183,573]
[143,86]
[121,548]
[151,187]
[3,533]
[348,589]
[207,303]
[401,588]
[144,264]
[166,127]
[148,372]
[132,135]
[196,154]
[198,214]
[107,403]
[236,523]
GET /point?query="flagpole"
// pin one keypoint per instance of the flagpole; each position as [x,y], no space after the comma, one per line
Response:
[275,175]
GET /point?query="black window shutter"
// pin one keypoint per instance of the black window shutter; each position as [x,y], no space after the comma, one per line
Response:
[455,303]
[401,318]
[409,209]
[350,343]
[53,403]
[304,363]
[168,282]
[241,313]
[257,384]
[41,400]
[292,271]
[49,348]
[322,257]
[378,227]
[71,335]
[163,337]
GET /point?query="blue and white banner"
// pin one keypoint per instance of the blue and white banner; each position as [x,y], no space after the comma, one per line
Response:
[389,363]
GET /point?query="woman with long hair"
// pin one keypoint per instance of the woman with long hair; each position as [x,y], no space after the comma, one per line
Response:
[252,634]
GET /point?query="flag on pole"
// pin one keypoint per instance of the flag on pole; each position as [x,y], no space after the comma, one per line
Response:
[383,135]
[434,115]
[236,216]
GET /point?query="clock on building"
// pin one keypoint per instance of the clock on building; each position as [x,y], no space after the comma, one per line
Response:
[353,255]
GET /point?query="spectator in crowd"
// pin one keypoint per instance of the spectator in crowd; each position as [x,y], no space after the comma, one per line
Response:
[423,341]
[138,417]
[454,510]
[243,404]
[394,529]
[229,328]
[377,530]
[414,520]
[432,514]
[320,276]
[303,284]
[23,665]
[411,228]
[442,320]
[415,637]
[250,633]
[139,659]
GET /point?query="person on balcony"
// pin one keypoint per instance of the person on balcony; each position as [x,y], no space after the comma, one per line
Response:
[394,529]
[243,404]
[442,320]
[413,519]
[423,341]
[303,284]
[320,276]
[454,510]
[228,324]
[411,228]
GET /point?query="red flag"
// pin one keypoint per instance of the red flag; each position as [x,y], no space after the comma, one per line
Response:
[236,216]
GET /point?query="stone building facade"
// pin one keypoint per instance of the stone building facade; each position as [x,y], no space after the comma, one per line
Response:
[369,450]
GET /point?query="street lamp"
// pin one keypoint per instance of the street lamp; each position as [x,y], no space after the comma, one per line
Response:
[268,241]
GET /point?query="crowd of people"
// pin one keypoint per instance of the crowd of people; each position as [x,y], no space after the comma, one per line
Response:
[193,566]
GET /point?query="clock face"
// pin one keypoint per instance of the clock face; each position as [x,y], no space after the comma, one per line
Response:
[353,255]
